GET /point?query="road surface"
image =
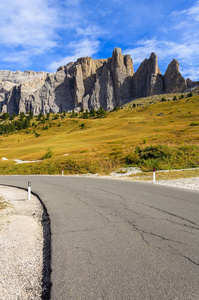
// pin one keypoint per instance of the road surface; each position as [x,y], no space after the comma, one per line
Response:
[119,240]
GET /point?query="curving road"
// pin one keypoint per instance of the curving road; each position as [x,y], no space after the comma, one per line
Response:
[119,240]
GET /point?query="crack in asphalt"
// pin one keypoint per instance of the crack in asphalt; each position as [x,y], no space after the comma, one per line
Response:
[142,233]
[96,211]
[182,224]
[173,215]
[124,204]
[92,229]
[184,256]
[111,193]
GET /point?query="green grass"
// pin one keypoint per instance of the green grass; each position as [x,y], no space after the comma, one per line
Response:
[103,145]
[164,157]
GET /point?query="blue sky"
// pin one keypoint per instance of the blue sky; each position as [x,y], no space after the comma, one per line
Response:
[41,35]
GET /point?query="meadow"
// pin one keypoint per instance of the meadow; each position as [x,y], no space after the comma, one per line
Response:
[158,131]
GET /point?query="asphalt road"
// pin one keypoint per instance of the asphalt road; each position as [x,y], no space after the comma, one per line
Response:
[119,240]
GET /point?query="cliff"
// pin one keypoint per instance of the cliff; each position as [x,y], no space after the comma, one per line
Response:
[88,84]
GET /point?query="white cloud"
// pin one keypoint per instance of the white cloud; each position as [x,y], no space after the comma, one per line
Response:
[22,57]
[90,31]
[191,72]
[193,11]
[186,53]
[34,27]
[27,23]
[142,50]
[178,39]
[82,48]
[186,20]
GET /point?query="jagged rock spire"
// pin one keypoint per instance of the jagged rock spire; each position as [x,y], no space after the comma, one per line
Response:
[148,79]
[89,84]
[174,82]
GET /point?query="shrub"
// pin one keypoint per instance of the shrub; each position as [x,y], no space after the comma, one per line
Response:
[163,100]
[82,126]
[132,159]
[43,120]
[48,154]
[92,112]
[174,98]
[165,157]
[101,112]
[22,116]
[56,117]
[190,95]
[25,123]
[155,152]
[73,114]
[48,117]
[194,124]
[85,115]
[13,116]
[5,116]
[116,108]
[37,134]
[144,141]
[39,117]
[31,114]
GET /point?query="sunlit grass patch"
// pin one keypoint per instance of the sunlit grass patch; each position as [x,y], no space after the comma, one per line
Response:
[162,175]
[101,145]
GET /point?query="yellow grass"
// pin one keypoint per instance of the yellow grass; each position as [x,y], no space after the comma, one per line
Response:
[170,175]
[110,138]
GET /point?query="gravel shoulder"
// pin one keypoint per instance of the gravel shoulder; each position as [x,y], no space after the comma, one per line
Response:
[186,183]
[21,241]
[21,245]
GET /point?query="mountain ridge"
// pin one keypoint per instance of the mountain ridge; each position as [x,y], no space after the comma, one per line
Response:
[87,84]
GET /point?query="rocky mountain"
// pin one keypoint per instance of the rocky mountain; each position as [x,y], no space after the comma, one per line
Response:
[88,84]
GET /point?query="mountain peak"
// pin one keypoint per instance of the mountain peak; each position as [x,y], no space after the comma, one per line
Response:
[88,84]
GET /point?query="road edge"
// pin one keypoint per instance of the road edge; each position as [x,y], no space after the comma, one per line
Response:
[46,225]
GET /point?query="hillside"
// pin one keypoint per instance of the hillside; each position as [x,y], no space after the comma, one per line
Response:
[104,143]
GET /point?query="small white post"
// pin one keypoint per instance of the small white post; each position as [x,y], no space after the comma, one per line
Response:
[153,175]
[62,172]
[29,190]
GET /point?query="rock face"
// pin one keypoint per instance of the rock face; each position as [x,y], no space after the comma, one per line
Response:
[174,82]
[87,84]
[148,80]
[17,87]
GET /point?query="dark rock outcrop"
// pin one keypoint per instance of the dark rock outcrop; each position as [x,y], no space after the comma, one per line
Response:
[148,80]
[174,82]
[87,84]
[191,85]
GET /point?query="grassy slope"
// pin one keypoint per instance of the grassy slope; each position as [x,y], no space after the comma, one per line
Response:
[102,144]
